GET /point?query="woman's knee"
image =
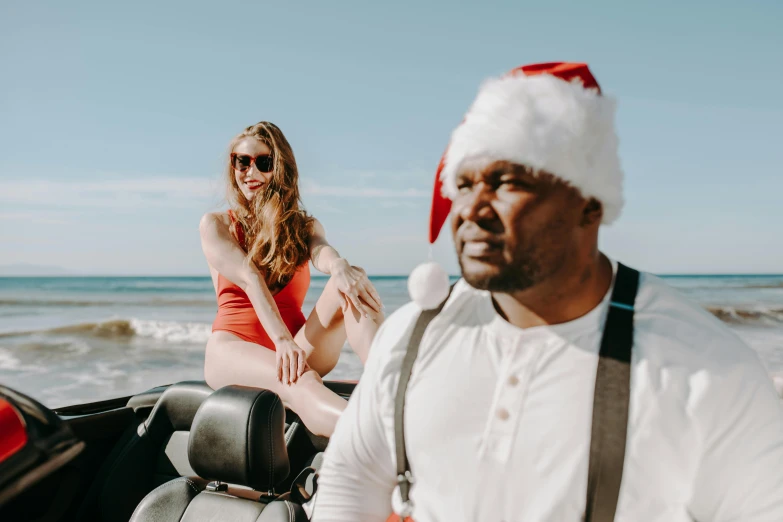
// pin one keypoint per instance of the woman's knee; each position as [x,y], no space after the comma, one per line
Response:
[322,365]
[331,291]
[302,390]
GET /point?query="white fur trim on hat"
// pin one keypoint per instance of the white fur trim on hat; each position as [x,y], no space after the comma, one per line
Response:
[547,124]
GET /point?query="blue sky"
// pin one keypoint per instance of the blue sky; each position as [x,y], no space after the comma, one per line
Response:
[114,120]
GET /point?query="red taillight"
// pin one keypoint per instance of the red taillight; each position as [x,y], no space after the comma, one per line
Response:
[13,435]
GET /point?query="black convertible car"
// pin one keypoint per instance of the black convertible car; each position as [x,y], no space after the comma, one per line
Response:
[181,452]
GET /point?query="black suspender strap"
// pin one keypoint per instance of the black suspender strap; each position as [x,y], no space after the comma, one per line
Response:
[610,405]
[404,477]
[611,400]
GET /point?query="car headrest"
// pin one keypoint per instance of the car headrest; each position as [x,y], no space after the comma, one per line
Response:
[238,436]
[176,409]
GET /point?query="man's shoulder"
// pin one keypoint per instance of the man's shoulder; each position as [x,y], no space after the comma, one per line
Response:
[670,327]
[681,347]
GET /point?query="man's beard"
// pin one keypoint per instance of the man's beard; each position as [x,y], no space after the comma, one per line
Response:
[521,273]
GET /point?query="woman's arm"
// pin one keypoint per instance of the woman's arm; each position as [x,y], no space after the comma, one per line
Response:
[224,255]
[352,281]
[323,255]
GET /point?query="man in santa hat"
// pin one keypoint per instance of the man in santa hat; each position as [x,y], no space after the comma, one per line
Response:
[553,383]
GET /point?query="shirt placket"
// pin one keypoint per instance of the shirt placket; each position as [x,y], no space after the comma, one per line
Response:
[514,376]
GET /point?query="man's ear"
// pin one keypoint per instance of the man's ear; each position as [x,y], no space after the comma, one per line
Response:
[592,213]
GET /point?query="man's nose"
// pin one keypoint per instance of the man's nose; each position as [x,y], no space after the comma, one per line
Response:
[476,205]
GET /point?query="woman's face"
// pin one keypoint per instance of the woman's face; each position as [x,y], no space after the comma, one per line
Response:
[253,166]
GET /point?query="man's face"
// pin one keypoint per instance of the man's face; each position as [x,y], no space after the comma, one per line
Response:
[512,228]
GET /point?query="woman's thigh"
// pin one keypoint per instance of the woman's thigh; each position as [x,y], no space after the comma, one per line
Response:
[231,360]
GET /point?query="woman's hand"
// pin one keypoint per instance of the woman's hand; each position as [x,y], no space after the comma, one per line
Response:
[354,284]
[291,361]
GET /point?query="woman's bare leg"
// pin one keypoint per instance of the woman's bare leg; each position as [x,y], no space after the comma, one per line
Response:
[329,325]
[230,360]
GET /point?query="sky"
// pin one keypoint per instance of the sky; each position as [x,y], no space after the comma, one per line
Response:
[115,118]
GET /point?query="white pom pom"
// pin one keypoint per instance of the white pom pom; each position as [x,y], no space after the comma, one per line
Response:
[778,382]
[428,285]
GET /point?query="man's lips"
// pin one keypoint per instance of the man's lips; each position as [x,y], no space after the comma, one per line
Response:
[481,246]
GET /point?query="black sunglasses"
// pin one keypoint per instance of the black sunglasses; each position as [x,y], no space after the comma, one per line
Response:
[242,162]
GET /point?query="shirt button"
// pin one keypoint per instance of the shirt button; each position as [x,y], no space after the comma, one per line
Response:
[502,414]
[513,380]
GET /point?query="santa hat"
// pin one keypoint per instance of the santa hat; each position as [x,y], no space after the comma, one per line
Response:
[551,117]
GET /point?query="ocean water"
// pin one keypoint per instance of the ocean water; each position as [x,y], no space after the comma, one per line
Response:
[68,340]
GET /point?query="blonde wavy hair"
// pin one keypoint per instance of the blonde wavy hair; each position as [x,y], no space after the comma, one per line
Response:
[277,229]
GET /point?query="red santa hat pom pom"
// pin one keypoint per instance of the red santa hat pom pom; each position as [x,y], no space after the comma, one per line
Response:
[428,285]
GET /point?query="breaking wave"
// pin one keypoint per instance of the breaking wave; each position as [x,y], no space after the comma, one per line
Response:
[164,331]
[756,316]
[763,286]
[72,302]
[195,332]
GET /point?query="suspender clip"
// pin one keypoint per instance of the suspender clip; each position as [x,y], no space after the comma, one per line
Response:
[406,478]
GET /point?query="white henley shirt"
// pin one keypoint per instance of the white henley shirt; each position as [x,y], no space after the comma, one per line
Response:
[498,420]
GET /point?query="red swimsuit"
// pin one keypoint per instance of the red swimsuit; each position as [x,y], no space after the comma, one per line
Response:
[236,315]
